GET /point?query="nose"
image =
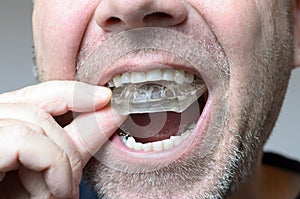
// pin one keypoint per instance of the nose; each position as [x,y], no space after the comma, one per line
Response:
[116,15]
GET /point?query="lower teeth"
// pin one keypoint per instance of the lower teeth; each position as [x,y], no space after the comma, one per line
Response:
[173,141]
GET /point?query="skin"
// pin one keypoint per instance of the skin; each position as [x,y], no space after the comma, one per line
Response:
[259,46]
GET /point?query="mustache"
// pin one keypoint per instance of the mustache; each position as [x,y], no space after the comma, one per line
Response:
[203,54]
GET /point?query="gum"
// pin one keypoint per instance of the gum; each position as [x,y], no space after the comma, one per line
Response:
[160,96]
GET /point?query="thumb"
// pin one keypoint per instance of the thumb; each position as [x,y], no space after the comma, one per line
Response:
[90,131]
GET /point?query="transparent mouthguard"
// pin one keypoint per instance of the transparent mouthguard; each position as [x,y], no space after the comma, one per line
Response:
[158,96]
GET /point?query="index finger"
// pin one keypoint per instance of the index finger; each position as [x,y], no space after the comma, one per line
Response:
[58,97]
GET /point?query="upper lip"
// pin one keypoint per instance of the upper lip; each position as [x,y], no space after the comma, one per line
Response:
[146,48]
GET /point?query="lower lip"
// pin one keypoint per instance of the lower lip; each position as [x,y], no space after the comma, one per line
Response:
[118,148]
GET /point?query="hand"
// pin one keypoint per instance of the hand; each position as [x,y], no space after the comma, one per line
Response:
[39,158]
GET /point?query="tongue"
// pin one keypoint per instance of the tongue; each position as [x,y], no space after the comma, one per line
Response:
[155,126]
[151,127]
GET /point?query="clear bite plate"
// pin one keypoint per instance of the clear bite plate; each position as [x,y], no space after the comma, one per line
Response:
[158,96]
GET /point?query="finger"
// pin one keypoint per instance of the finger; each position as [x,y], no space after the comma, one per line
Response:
[34,183]
[58,97]
[17,144]
[12,122]
[90,131]
[40,121]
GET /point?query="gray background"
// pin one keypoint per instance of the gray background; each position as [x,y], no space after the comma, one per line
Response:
[16,72]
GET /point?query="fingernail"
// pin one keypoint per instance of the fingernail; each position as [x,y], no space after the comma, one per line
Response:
[103,93]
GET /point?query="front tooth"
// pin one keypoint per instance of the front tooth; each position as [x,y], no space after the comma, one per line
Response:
[177,141]
[157,146]
[111,84]
[117,81]
[179,76]
[137,77]
[124,140]
[154,75]
[167,144]
[173,137]
[168,74]
[147,147]
[184,135]
[138,146]
[125,78]
[130,142]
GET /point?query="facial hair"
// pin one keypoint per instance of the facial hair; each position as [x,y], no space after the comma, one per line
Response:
[221,172]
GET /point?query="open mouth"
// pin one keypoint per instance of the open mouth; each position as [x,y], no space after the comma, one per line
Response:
[164,106]
[177,119]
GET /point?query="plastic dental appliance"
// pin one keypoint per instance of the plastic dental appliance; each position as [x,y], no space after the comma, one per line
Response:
[157,96]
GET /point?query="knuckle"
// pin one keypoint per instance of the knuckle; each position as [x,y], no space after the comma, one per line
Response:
[11,96]
[23,95]
[73,159]
[61,156]
[39,130]
[76,161]
[18,133]
[42,115]
[22,130]
[21,126]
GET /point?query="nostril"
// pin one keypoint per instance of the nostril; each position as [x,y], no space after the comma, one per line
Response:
[113,21]
[118,15]
[156,17]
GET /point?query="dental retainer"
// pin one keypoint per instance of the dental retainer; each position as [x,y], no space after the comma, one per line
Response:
[158,96]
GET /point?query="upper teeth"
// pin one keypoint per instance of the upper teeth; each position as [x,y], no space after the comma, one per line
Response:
[179,76]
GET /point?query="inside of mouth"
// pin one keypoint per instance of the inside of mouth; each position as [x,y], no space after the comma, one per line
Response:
[153,127]
[160,108]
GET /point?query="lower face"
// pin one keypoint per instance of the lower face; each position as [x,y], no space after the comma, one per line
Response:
[246,59]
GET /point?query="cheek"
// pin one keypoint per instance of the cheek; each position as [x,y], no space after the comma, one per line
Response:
[239,28]
[58,29]
[237,25]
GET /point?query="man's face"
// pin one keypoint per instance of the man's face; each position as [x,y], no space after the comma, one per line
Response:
[244,53]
